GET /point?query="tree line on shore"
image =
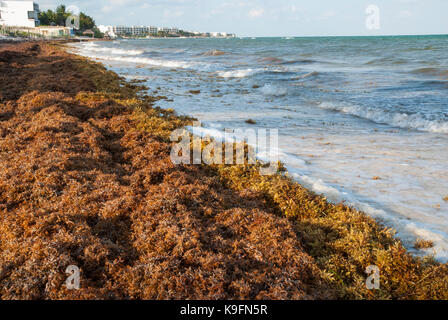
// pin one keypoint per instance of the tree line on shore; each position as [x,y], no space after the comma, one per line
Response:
[60,16]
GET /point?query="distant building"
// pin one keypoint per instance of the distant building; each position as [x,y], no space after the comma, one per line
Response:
[221,35]
[122,30]
[19,14]
[164,29]
[142,31]
[139,31]
[130,31]
[153,30]
[54,32]
[108,31]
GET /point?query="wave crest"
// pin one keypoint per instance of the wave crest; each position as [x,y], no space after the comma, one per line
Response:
[115,51]
[153,62]
[214,53]
[402,120]
[237,73]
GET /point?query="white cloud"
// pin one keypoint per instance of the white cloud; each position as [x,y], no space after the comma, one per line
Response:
[256,13]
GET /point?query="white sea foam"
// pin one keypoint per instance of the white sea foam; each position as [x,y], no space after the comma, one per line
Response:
[237,73]
[175,64]
[271,90]
[396,119]
[115,51]
[407,231]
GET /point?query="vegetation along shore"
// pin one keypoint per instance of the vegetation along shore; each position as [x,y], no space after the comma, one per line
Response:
[86,179]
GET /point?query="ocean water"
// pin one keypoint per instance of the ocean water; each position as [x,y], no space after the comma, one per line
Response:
[348,109]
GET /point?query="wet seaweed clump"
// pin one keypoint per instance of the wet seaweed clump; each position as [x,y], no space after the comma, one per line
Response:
[421,244]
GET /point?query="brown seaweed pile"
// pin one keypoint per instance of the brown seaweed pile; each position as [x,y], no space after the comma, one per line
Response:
[86,180]
[81,184]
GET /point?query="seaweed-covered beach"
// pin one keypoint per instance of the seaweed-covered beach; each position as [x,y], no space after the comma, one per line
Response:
[86,179]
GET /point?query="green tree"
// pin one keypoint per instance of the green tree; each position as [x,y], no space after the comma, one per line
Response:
[98,33]
[48,17]
[59,17]
[86,22]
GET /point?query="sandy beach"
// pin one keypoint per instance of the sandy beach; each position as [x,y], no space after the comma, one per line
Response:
[86,179]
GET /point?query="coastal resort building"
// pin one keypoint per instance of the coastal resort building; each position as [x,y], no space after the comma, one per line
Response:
[164,29]
[55,31]
[153,30]
[131,31]
[19,14]
[122,30]
[140,30]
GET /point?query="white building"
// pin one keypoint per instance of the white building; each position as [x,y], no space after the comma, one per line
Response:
[122,30]
[130,31]
[139,30]
[107,30]
[221,35]
[164,29]
[153,30]
[54,31]
[19,14]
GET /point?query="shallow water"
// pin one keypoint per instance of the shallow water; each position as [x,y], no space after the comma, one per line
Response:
[347,109]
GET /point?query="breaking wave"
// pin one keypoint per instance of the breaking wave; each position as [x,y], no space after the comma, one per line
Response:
[148,61]
[115,51]
[402,120]
[237,73]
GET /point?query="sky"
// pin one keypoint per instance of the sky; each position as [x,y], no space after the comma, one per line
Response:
[257,18]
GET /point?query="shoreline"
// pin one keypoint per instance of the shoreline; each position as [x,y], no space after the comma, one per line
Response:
[341,242]
[410,229]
